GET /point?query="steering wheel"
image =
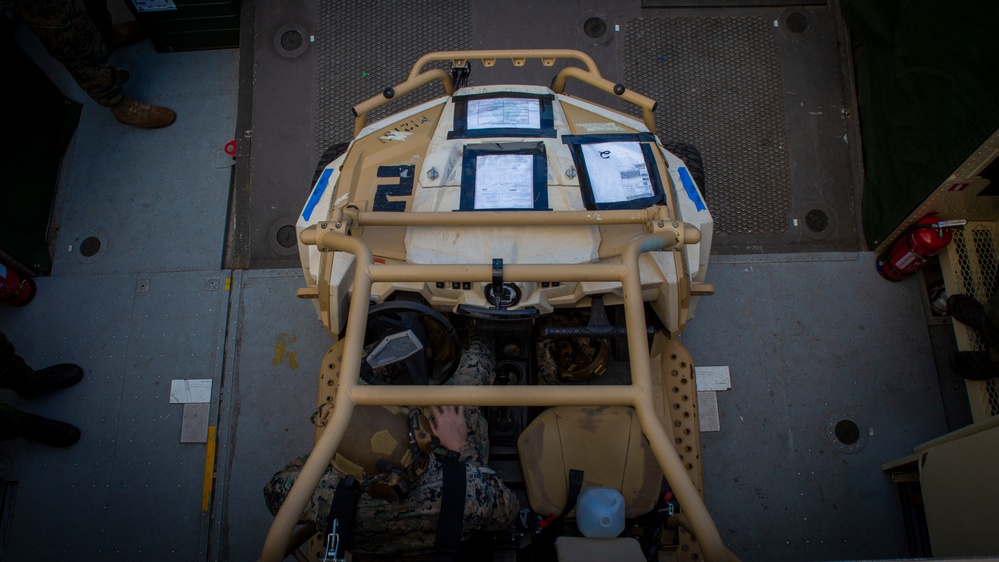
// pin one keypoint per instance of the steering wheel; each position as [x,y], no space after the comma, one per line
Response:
[399,337]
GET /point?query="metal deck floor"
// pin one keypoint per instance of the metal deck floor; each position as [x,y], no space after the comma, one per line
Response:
[807,337]
[148,308]
[810,340]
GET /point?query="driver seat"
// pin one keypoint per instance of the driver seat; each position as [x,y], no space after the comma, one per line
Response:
[607,445]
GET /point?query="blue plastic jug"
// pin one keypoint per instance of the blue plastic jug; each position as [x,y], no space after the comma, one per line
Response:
[600,513]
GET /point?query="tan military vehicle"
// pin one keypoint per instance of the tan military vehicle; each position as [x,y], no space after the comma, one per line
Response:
[564,231]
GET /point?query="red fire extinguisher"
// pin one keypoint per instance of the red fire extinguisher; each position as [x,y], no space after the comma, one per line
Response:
[923,240]
[14,289]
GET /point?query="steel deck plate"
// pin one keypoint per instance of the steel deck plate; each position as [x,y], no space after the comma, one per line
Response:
[129,467]
[148,307]
[805,346]
[718,82]
[765,95]
[365,47]
[279,346]
[156,199]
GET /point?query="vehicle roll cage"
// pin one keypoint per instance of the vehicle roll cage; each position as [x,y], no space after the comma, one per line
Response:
[590,75]
[335,237]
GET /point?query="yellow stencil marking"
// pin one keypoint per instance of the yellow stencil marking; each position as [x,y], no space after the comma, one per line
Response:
[279,350]
[283,348]
[206,494]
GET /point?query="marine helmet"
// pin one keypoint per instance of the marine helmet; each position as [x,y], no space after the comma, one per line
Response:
[386,449]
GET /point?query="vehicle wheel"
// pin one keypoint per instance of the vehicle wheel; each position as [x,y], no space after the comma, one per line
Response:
[331,154]
[692,159]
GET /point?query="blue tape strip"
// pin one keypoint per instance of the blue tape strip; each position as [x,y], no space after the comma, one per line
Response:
[317,194]
[691,189]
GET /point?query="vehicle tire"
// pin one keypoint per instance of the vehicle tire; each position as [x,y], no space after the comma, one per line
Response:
[692,159]
[331,154]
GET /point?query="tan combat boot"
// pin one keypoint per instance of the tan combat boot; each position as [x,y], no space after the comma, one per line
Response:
[136,114]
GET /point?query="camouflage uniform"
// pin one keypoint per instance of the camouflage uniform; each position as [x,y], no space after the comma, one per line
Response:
[71,31]
[14,373]
[406,528]
[557,356]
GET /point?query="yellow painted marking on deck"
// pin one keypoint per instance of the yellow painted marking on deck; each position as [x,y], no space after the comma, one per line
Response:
[278,351]
[206,494]
[283,348]
[228,283]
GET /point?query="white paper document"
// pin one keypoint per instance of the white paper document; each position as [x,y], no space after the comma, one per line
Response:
[188,391]
[504,181]
[713,378]
[504,113]
[617,171]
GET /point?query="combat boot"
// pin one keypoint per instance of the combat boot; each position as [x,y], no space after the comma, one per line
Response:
[50,432]
[974,365]
[144,116]
[49,380]
[967,311]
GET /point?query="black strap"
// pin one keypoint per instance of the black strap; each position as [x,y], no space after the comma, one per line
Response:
[575,485]
[662,512]
[452,509]
[551,528]
[343,511]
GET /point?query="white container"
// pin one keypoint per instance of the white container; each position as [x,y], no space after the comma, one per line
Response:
[600,513]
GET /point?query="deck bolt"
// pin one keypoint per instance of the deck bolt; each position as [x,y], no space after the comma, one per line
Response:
[432,174]
[661,224]
[337,225]
[676,224]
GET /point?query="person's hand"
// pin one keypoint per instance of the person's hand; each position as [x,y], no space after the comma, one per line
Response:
[448,424]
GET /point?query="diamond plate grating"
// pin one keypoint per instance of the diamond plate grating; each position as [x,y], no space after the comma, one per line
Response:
[365,47]
[718,83]
[975,251]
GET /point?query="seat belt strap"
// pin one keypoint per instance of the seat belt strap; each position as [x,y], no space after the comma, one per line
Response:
[452,514]
[550,528]
[340,521]
[575,485]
